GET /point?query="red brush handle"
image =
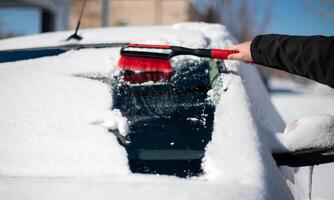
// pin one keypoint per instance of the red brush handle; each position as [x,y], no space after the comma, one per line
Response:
[222,53]
[158,46]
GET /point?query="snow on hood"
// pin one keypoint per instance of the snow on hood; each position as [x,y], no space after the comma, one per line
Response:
[309,132]
[51,120]
[54,122]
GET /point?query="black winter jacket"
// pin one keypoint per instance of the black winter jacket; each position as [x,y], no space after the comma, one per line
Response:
[308,56]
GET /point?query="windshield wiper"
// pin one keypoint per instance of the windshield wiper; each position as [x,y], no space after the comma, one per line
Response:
[75,34]
[38,52]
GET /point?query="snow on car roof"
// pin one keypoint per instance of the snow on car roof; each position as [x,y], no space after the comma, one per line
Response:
[101,35]
[54,122]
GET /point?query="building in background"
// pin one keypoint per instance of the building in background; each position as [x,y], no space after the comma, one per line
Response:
[53,14]
[132,12]
[58,15]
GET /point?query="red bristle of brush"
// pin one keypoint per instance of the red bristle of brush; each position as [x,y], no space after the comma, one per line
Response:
[144,64]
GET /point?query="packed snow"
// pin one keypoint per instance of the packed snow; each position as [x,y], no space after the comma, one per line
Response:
[91,36]
[309,132]
[295,101]
[49,118]
[55,120]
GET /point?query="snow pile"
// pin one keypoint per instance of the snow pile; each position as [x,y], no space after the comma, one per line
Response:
[240,147]
[314,131]
[180,38]
[139,187]
[49,117]
[116,122]
[296,105]
[216,35]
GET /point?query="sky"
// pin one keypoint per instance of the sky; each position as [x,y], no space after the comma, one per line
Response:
[293,17]
[288,17]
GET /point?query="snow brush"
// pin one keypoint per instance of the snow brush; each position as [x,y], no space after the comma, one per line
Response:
[155,57]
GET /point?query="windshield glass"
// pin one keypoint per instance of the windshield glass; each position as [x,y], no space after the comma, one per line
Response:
[170,118]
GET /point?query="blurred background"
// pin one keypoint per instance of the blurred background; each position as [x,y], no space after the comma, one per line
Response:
[243,18]
[293,96]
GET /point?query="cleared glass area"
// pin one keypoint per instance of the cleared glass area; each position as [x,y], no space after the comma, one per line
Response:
[171,118]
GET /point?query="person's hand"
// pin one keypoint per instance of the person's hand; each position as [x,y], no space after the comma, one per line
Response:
[244,52]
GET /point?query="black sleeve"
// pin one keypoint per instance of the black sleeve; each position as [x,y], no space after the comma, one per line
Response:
[308,56]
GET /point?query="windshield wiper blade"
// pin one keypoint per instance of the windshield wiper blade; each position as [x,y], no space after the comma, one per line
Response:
[38,52]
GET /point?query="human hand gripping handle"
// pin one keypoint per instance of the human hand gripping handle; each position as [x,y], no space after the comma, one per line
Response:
[244,53]
[222,53]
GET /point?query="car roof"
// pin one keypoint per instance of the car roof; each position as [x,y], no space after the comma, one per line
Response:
[90,36]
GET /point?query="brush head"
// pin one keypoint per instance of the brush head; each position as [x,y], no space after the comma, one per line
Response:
[144,64]
[142,77]
[145,58]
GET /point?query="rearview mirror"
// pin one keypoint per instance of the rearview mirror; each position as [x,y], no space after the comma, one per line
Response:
[307,141]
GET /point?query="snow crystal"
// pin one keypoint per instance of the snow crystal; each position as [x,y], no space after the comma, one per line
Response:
[193,119]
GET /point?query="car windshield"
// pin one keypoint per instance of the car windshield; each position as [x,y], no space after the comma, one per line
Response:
[170,116]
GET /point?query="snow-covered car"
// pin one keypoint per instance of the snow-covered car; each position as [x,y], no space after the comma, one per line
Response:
[74,126]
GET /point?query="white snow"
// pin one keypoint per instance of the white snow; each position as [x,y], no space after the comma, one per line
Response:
[309,132]
[165,34]
[48,118]
[90,36]
[116,122]
[302,102]
[245,122]
[241,138]
[141,187]
[55,120]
